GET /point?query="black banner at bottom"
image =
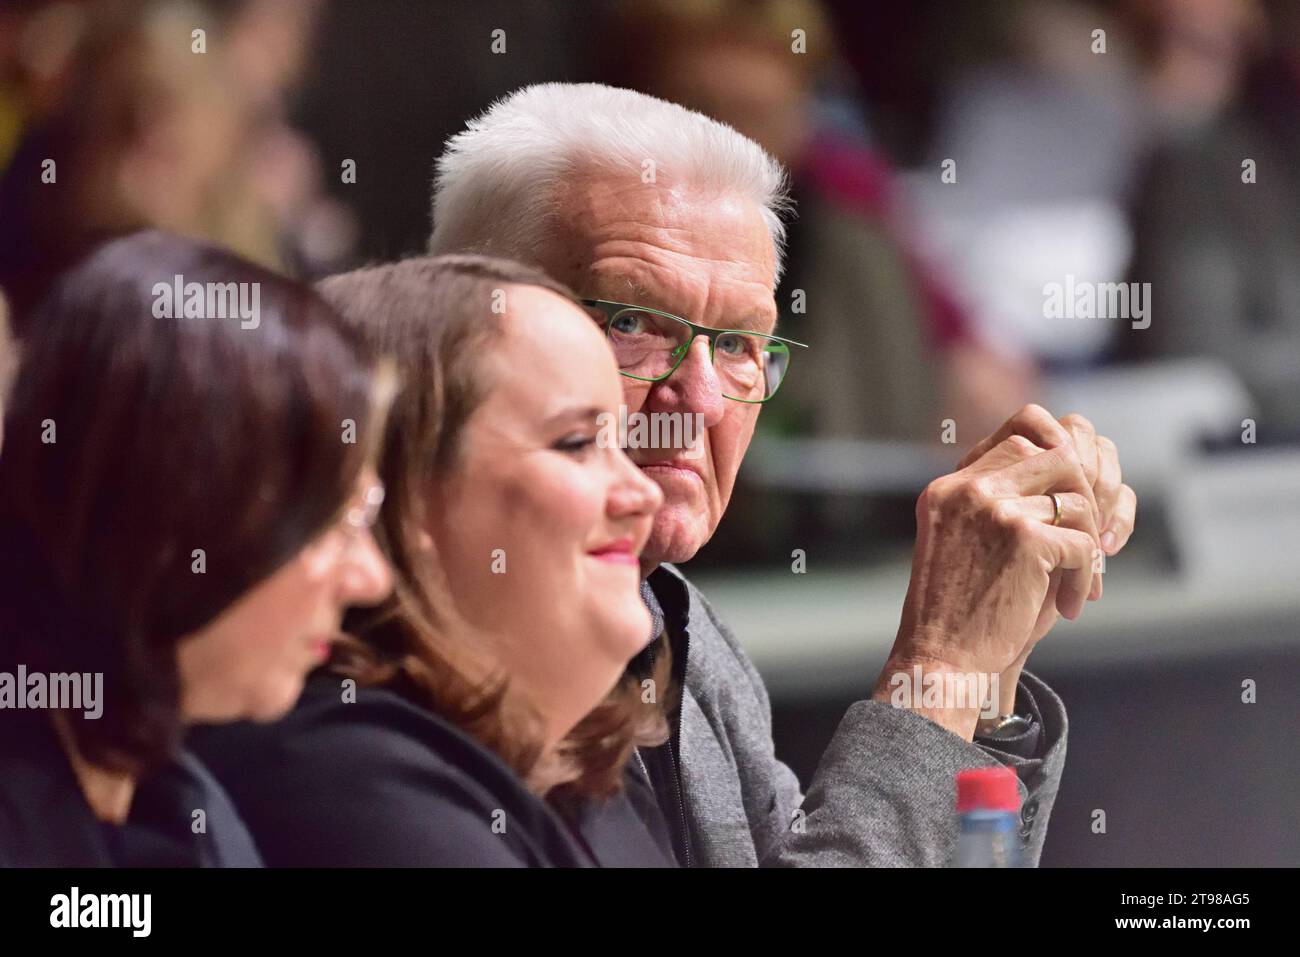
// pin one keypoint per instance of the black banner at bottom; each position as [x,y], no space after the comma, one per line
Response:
[233,907]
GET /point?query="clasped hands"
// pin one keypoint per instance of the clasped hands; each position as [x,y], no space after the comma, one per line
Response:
[991,573]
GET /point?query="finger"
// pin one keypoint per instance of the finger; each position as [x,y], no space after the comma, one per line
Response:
[1076,511]
[1074,553]
[1109,479]
[1077,514]
[1049,615]
[1056,470]
[1084,437]
[1012,449]
[1033,422]
[1117,533]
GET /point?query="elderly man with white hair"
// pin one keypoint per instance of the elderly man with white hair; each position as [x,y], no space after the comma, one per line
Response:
[669,225]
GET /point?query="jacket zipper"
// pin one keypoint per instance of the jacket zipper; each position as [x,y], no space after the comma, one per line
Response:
[688,857]
[673,759]
[681,800]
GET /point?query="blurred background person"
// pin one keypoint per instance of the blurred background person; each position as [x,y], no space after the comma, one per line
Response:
[149,125]
[1041,133]
[181,521]
[1221,242]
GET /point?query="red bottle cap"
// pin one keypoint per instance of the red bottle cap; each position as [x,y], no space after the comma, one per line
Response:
[987,789]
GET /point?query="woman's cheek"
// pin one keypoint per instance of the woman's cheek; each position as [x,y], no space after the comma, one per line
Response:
[581,502]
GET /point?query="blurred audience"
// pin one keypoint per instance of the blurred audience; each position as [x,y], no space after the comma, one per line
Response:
[148,125]
[1220,242]
[1043,134]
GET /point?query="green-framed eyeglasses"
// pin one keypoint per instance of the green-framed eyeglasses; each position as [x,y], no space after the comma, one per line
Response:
[649,345]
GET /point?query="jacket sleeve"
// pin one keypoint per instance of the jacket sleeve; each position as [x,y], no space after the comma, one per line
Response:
[884,793]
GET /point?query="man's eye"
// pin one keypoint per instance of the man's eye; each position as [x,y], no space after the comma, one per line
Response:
[732,345]
[629,323]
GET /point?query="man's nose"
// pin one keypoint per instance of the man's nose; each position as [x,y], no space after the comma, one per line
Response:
[693,387]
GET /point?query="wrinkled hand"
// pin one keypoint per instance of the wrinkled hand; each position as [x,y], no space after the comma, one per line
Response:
[991,575]
[1115,516]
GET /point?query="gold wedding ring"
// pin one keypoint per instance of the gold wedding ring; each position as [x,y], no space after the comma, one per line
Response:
[1056,505]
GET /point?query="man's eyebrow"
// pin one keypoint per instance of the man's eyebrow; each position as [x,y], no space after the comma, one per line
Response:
[640,296]
[753,321]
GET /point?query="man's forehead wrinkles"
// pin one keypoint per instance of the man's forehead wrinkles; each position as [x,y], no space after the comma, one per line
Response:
[656,238]
[638,272]
[684,261]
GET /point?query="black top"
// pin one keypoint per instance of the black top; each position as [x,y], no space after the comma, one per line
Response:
[380,781]
[46,822]
[668,602]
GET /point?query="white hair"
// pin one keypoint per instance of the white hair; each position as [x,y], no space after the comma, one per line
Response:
[496,184]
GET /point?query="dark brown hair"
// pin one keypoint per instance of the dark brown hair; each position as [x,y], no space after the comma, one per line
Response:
[132,440]
[434,315]
[8,352]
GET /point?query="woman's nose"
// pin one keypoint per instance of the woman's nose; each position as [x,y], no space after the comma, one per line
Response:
[634,493]
[367,577]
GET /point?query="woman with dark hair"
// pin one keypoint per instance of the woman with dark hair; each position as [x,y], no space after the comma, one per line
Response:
[186,490]
[485,714]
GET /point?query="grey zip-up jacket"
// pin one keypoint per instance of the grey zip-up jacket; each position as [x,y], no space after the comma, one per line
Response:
[883,795]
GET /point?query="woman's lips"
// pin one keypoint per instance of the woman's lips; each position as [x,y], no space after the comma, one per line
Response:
[621,552]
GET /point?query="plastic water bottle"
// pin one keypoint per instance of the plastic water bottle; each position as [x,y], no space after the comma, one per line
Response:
[988,809]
